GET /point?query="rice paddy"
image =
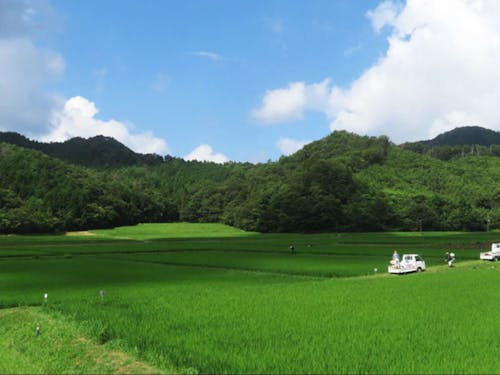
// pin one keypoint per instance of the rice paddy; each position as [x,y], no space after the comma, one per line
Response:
[189,301]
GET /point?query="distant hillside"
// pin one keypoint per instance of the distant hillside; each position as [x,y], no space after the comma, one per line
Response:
[459,142]
[343,182]
[466,135]
[97,151]
[355,151]
[39,193]
[358,152]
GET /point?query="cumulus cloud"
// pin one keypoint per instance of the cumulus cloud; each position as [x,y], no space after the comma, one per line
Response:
[439,72]
[78,119]
[205,152]
[288,146]
[385,14]
[25,69]
[289,104]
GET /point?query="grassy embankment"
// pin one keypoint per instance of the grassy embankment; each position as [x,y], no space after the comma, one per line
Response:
[60,347]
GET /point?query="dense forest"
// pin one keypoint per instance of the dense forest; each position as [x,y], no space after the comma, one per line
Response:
[343,182]
[94,152]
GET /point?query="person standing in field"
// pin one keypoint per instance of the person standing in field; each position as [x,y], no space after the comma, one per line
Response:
[395,258]
[450,258]
[292,249]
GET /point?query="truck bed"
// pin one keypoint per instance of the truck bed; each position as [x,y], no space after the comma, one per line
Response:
[489,256]
[402,270]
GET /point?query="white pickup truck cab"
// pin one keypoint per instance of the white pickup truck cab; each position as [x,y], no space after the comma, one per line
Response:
[493,254]
[409,263]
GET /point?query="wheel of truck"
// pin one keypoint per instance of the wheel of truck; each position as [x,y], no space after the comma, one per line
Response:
[419,269]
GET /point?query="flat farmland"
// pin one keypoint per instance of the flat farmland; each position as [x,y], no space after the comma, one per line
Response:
[231,302]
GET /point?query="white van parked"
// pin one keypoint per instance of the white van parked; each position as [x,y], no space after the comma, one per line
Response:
[493,254]
[409,263]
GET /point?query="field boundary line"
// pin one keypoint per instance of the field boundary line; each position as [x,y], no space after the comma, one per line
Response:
[248,270]
[97,253]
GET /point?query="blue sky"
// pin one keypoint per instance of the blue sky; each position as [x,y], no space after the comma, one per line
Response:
[249,80]
[205,99]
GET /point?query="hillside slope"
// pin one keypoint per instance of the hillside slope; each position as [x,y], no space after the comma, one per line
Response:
[459,142]
[466,135]
[343,182]
[97,151]
[39,193]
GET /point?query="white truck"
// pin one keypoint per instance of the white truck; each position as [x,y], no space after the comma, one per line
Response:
[493,254]
[409,263]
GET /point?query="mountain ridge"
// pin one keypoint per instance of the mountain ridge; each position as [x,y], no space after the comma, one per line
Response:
[343,182]
[465,135]
[98,151]
[104,152]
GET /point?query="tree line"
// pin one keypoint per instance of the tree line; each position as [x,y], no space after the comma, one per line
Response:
[343,182]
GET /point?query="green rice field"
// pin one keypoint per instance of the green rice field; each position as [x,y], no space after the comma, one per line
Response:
[207,298]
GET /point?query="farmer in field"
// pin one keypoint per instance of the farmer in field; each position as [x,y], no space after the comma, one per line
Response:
[450,258]
[395,259]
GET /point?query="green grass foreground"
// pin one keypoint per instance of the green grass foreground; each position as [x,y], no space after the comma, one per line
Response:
[229,302]
[59,348]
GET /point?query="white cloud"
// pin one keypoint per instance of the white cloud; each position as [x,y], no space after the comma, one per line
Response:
[212,56]
[384,14]
[289,104]
[282,105]
[78,119]
[24,71]
[289,146]
[440,71]
[205,152]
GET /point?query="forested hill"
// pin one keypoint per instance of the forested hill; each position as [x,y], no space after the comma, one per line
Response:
[97,151]
[466,135]
[343,182]
[467,140]
[39,193]
[106,152]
